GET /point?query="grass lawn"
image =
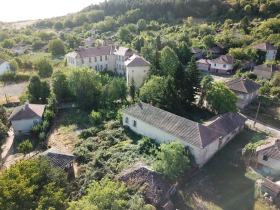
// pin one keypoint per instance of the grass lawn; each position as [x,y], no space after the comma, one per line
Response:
[66,128]
[39,55]
[224,182]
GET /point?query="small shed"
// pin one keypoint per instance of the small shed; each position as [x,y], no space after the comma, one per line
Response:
[270,187]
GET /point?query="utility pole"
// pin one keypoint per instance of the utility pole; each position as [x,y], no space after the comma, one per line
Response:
[257,113]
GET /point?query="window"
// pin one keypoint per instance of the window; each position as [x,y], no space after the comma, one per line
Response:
[101,58]
[265,158]
[95,59]
[214,64]
[101,67]
[134,123]
[106,58]
[82,60]
[89,60]
[95,67]
[106,66]
[126,120]
[224,65]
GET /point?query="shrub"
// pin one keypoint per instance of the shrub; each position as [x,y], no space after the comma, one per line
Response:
[275,91]
[45,126]
[147,146]
[36,129]
[42,136]
[88,133]
[48,115]
[95,117]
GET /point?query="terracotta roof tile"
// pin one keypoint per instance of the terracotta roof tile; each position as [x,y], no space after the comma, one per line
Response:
[242,85]
[27,111]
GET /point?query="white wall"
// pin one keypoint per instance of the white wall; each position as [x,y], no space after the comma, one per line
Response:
[270,55]
[275,164]
[137,73]
[23,126]
[203,67]
[4,67]
[221,66]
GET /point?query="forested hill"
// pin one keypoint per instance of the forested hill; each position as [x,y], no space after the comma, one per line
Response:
[156,9]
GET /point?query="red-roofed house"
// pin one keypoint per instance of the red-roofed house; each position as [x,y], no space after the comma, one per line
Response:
[222,64]
[245,89]
[26,116]
[270,50]
[136,68]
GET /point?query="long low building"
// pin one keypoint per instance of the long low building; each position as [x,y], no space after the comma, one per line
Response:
[117,59]
[162,126]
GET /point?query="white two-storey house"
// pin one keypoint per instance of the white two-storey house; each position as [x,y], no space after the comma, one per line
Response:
[223,64]
[269,49]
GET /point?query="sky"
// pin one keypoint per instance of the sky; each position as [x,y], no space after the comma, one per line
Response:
[19,10]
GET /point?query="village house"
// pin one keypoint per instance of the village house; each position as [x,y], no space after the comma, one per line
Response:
[214,52]
[266,71]
[203,64]
[25,117]
[270,50]
[112,58]
[136,69]
[4,66]
[157,189]
[203,141]
[245,89]
[270,189]
[196,52]
[268,156]
[223,64]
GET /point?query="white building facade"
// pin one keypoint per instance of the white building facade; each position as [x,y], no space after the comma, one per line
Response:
[4,66]
[223,64]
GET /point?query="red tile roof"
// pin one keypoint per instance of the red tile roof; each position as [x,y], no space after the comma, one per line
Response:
[27,111]
[264,46]
[242,85]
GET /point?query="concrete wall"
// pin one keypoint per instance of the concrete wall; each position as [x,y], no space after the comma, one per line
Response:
[137,73]
[221,66]
[203,67]
[263,74]
[23,126]
[4,67]
[270,55]
[275,164]
[245,99]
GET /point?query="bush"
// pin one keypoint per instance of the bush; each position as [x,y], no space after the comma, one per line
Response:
[275,91]
[42,136]
[45,126]
[95,117]
[36,129]
[48,115]
[147,146]
[88,133]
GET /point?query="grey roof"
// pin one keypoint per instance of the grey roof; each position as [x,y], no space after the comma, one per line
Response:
[270,150]
[136,61]
[242,85]
[191,132]
[27,111]
[59,158]
[195,50]
[2,61]
[224,59]
[203,61]
[271,185]
[123,51]
[227,123]
[264,46]
[267,67]
[91,52]
[215,50]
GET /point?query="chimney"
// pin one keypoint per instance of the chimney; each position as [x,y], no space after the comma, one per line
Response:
[26,104]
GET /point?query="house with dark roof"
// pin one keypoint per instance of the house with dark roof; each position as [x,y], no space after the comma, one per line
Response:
[266,71]
[268,155]
[26,116]
[112,58]
[203,64]
[223,64]
[271,188]
[270,50]
[157,189]
[196,52]
[4,66]
[245,89]
[203,141]
[137,68]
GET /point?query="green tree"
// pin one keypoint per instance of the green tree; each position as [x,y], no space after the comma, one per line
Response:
[8,43]
[60,85]
[27,184]
[208,41]
[172,160]
[56,47]
[85,86]
[34,89]
[44,67]
[206,84]
[193,75]
[44,91]
[132,90]
[183,52]
[104,194]
[124,34]
[221,99]
[25,147]
[142,25]
[14,65]
[275,80]
[3,135]
[169,61]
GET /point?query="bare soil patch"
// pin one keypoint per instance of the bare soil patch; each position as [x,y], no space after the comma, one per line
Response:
[12,92]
